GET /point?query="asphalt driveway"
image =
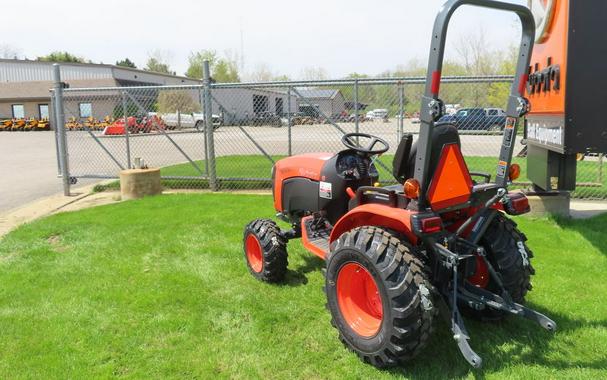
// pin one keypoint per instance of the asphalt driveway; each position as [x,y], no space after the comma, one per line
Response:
[28,168]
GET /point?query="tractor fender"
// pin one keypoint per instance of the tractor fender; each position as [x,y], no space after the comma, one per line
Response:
[377,215]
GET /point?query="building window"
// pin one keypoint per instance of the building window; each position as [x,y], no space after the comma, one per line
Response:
[86,110]
[43,111]
[18,111]
[260,104]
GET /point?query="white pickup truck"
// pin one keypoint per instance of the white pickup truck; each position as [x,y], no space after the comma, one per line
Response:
[187,120]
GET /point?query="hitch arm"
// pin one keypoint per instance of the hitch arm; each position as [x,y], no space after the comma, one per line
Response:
[478,295]
[452,314]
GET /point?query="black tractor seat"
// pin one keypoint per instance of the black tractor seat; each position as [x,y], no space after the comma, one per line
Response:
[403,164]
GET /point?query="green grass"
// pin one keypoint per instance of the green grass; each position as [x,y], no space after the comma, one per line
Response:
[158,288]
[258,166]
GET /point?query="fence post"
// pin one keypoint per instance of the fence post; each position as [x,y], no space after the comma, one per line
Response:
[126,131]
[60,127]
[53,122]
[208,126]
[356,128]
[401,113]
[290,150]
[206,152]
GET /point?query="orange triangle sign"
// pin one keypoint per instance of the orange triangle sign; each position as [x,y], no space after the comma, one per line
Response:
[451,184]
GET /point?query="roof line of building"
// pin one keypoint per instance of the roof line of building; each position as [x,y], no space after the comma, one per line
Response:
[107,65]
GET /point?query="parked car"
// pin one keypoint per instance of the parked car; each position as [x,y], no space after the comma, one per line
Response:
[265,118]
[477,119]
[187,120]
[451,109]
[378,114]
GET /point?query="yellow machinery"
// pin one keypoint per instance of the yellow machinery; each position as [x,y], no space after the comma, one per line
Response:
[19,125]
[31,124]
[6,125]
[43,125]
[73,125]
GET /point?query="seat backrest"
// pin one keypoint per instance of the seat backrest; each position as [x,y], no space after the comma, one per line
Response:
[403,165]
[401,158]
[442,134]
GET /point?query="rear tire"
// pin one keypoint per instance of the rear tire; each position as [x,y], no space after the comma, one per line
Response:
[265,250]
[511,258]
[379,297]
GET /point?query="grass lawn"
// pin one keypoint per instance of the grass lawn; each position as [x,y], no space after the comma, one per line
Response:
[258,166]
[158,288]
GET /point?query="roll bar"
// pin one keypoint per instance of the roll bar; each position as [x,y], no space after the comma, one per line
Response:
[431,108]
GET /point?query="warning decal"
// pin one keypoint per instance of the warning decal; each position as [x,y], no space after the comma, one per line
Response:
[325,190]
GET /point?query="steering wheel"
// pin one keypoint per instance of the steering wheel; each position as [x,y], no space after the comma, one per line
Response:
[368,149]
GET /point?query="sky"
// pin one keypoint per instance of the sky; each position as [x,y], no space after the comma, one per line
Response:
[340,36]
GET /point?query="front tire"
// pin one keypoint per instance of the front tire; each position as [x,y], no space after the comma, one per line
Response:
[511,258]
[379,297]
[265,250]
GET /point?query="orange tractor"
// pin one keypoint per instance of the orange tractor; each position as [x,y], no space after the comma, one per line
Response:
[440,242]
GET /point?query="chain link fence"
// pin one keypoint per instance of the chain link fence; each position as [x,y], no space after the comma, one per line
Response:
[251,125]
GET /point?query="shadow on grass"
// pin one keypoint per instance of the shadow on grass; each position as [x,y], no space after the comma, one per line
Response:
[592,229]
[298,277]
[507,343]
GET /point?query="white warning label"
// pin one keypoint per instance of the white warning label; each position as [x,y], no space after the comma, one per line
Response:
[325,190]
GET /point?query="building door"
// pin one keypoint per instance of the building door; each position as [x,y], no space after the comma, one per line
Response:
[43,111]
[279,109]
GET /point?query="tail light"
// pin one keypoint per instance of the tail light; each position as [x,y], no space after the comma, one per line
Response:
[432,225]
[425,224]
[517,204]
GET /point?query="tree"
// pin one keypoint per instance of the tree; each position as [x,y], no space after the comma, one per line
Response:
[177,101]
[225,72]
[10,52]
[498,92]
[61,56]
[281,78]
[126,63]
[158,62]
[196,60]
[223,69]
[261,73]
[313,73]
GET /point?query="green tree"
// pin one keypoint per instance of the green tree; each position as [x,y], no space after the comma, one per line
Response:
[498,92]
[126,63]
[224,70]
[196,60]
[153,64]
[158,61]
[61,56]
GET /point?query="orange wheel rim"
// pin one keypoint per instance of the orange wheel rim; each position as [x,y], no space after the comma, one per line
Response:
[254,253]
[359,300]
